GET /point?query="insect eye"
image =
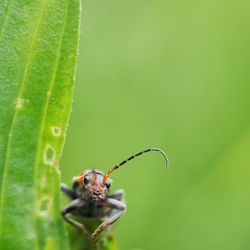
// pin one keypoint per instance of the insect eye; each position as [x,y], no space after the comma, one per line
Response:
[108,184]
[86,180]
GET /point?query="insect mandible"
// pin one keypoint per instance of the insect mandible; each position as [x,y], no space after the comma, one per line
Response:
[90,198]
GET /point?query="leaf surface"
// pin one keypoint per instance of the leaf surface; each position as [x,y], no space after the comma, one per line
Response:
[38,45]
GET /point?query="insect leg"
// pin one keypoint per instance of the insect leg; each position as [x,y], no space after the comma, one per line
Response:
[115,204]
[73,205]
[117,195]
[68,192]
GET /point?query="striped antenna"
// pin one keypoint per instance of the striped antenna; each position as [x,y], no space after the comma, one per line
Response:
[134,156]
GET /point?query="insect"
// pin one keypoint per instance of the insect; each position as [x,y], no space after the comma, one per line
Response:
[90,198]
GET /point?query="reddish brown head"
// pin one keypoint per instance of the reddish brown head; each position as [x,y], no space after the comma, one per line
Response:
[95,184]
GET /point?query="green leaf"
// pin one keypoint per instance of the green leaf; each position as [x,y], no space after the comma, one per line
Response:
[38,45]
[105,241]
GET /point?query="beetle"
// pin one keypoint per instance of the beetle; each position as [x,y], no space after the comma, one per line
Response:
[90,198]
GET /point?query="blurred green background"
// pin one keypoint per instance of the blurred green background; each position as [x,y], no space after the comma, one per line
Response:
[174,75]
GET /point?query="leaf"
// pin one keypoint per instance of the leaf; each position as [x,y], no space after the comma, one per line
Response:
[106,240]
[38,44]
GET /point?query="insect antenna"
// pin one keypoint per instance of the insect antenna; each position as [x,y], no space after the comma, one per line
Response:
[133,157]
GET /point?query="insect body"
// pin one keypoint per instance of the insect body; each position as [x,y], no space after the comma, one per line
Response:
[90,198]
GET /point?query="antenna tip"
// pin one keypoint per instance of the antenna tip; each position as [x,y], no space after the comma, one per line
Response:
[164,154]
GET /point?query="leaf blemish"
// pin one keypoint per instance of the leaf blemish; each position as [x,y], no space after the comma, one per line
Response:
[19,103]
[49,156]
[56,131]
[44,206]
